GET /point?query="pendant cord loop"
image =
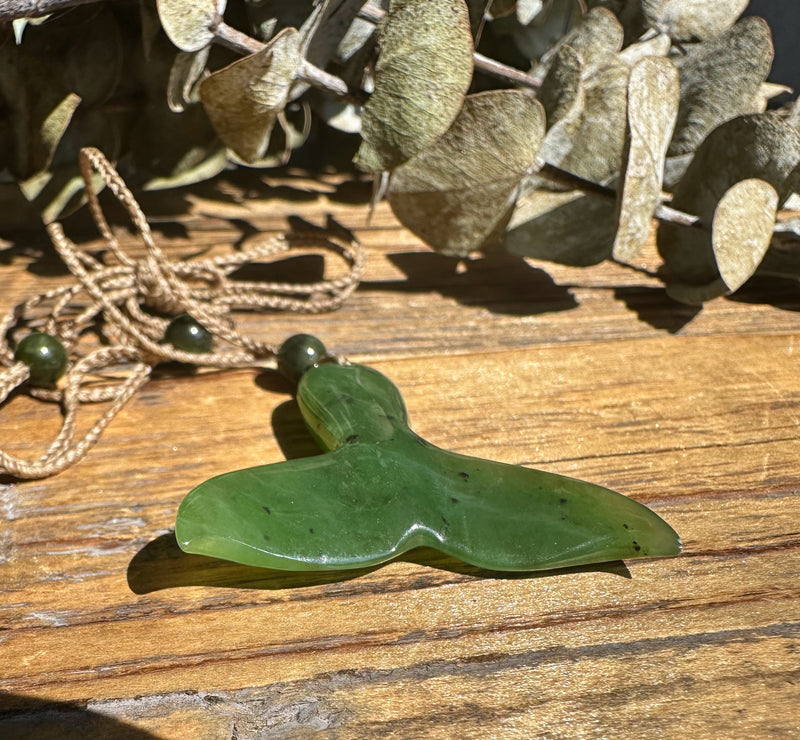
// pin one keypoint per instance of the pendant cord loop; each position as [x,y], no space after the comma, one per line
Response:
[112,320]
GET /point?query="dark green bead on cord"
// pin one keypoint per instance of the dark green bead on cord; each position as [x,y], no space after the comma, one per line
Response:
[45,356]
[298,354]
[187,334]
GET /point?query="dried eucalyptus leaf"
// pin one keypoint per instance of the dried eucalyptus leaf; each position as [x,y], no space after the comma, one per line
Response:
[790,226]
[742,229]
[767,92]
[586,104]
[243,100]
[186,70]
[561,87]
[719,81]
[458,193]
[44,142]
[339,115]
[653,94]
[563,98]
[422,74]
[60,65]
[597,144]
[598,34]
[40,110]
[657,46]
[77,52]
[286,136]
[360,33]
[59,188]
[205,169]
[359,36]
[18,25]
[570,228]
[685,20]
[188,23]
[527,10]
[674,170]
[760,146]
[594,38]
[793,119]
[792,204]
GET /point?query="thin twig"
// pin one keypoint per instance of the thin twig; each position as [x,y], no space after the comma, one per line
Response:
[576,182]
[568,179]
[237,41]
[240,42]
[504,72]
[371,13]
[674,216]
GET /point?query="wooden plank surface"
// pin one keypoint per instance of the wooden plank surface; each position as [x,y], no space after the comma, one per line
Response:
[107,630]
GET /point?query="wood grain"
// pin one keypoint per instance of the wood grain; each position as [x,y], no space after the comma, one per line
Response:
[107,630]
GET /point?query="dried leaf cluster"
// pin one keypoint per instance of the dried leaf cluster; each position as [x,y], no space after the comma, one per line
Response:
[555,129]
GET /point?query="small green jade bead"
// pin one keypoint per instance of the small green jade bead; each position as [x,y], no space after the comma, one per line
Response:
[187,334]
[44,355]
[298,354]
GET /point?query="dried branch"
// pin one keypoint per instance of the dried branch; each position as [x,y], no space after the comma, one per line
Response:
[240,42]
[662,212]
[504,72]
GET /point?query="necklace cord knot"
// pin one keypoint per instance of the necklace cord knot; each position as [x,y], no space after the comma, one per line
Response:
[112,318]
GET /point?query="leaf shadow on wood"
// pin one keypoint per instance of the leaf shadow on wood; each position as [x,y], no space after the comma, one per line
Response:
[236,187]
[24,716]
[161,564]
[779,292]
[304,268]
[33,249]
[500,282]
[655,307]
[299,228]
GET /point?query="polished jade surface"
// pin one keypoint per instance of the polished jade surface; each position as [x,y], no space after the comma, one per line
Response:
[44,355]
[379,490]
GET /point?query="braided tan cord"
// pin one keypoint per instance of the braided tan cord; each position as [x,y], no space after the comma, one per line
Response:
[111,301]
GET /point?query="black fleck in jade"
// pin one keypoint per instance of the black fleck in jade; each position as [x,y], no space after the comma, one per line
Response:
[187,334]
[298,354]
[44,355]
[379,490]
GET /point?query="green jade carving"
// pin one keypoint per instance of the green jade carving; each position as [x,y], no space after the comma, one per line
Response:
[380,490]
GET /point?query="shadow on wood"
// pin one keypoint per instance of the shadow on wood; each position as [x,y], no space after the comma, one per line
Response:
[161,564]
[27,717]
[502,283]
[655,307]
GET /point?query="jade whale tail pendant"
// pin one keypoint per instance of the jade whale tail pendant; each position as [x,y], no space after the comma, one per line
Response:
[379,490]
